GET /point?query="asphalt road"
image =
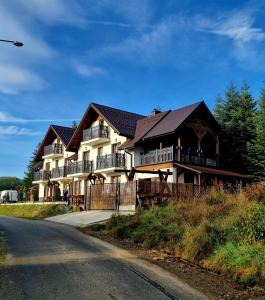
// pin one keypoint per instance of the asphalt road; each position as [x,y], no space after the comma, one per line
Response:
[47,260]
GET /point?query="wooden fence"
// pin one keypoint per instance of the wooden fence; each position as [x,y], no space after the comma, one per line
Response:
[115,196]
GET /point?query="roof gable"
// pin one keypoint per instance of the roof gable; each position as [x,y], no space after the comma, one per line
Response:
[123,122]
[176,118]
[55,131]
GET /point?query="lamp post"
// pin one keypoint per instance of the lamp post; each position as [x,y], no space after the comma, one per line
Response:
[15,43]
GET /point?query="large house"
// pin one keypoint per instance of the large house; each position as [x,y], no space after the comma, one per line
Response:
[109,142]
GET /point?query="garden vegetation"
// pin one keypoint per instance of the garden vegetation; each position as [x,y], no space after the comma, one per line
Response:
[33,211]
[221,232]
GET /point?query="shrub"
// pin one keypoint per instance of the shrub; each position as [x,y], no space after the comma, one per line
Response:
[255,192]
[245,263]
[254,224]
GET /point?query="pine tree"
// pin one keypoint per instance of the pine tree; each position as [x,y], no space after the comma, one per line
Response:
[29,174]
[258,149]
[74,125]
[235,114]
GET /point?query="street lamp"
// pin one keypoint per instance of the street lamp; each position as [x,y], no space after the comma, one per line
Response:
[15,43]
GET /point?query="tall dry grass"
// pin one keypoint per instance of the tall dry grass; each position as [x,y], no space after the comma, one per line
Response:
[219,231]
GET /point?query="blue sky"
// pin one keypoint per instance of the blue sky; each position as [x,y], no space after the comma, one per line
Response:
[132,55]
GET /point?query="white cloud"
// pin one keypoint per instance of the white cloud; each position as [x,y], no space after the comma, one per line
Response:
[6,117]
[16,79]
[88,70]
[137,12]
[17,131]
[237,26]
[147,47]
[21,20]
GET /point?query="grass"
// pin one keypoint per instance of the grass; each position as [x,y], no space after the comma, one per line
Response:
[220,232]
[2,250]
[33,211]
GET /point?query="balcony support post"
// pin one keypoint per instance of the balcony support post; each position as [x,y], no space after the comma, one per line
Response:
[179,148]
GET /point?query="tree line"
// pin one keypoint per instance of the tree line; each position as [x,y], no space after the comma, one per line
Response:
[242,121]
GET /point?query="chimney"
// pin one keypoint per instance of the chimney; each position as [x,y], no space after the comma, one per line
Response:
[155,111]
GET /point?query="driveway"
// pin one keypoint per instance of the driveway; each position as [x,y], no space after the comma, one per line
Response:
[49,260]
[84,218]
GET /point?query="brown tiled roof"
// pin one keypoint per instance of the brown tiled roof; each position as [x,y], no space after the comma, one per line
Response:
[64,133]
[206,170]
[123,121]
[172,121]
[165,123]
[143,126]
[54,131]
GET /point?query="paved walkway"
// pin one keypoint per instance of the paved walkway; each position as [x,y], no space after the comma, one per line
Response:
[84,218]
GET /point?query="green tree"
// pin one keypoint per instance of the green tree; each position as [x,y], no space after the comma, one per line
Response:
[74,125]
[9,183]
[257,149]
[236,116]
[29,174]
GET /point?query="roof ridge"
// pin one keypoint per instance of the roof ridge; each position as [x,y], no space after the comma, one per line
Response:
[157,122]
[118,109]
[62,126]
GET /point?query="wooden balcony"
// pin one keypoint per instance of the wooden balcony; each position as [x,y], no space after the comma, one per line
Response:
[111,161]
[96,135]
[41,175]
[179,155]
[59,172]
[80,167]
[53,150]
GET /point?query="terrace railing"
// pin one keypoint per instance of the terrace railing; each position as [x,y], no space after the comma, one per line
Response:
[177,154]
[83,166]
[100,131]
[59,172]
[53,149]
[111,161]
[42,175]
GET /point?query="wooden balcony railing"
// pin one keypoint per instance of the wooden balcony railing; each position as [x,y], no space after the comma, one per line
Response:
[100,131]
[177,154]
[83,166]
[53,149]
[59,172]
[111,161]
[42,175]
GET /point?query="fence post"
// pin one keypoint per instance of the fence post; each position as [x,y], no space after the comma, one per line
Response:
[118,195]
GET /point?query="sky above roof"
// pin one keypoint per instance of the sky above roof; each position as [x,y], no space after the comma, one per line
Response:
[132,55]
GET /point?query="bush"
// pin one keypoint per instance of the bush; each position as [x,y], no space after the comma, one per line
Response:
[246,263]
[254,224]
[255,192]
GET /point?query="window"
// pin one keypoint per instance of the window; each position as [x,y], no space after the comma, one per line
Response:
[48,166]
[114,148]
[86,155]
[100,151]
[57,163]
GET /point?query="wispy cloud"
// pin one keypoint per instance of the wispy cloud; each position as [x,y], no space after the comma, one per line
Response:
[17,131]
[238,26]
[149,46]
[6,117]
[15,79]
[88,70]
